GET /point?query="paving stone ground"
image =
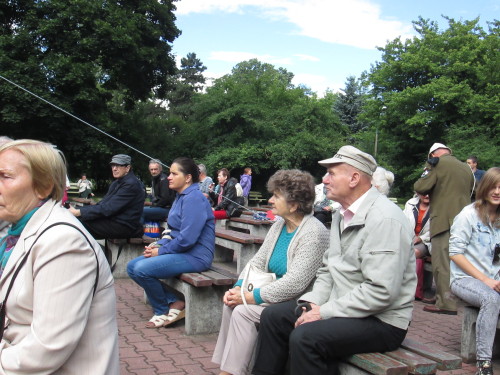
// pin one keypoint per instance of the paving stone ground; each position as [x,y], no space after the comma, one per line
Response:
[169,351]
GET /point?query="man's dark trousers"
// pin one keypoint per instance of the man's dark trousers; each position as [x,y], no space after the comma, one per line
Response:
[315,347]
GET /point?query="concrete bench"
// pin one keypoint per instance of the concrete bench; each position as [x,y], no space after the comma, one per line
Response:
[411,358]
[249,225]
[230,244]
[468,345]
[122,251]
[203,294]
[73,190]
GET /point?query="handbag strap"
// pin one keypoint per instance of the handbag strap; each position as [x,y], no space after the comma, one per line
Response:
[243,287]
[21,264]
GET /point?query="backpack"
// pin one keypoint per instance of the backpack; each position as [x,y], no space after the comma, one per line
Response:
[239,190]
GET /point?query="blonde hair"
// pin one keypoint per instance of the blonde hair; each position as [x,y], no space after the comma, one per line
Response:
[490,179]
[45,164]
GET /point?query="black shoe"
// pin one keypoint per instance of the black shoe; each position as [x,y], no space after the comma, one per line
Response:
[484,368]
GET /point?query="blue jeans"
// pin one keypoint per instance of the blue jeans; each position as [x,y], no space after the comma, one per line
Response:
[154,214]
[147,272]
[479,294]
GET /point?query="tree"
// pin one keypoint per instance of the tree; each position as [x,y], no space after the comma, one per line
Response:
[441,86]
[188,81]
[82,56]
[350,104]
[256,117]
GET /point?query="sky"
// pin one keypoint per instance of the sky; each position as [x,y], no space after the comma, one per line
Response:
[322,42]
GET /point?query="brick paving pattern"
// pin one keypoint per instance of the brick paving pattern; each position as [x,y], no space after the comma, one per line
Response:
[168,351]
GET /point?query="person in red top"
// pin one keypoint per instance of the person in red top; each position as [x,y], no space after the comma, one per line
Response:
[417,212]
[226,198]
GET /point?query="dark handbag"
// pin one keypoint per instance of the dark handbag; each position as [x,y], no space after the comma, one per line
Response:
[21,264]
[235,210]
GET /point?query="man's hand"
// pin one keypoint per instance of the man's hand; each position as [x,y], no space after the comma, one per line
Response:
[74,211]
[148,203]
[308,316]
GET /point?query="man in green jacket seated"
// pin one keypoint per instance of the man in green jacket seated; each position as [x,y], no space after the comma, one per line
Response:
[362,299]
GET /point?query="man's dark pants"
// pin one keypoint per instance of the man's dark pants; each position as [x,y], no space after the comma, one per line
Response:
[315,347]
[106,228]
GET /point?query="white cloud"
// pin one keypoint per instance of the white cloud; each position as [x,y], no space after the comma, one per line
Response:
[237,57]
[316,83]
[355,23]
[306,57]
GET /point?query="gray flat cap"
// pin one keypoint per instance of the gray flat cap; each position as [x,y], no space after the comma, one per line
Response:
[354,157]
[121,159]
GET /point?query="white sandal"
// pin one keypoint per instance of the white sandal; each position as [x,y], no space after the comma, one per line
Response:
[175,315]
[158,321]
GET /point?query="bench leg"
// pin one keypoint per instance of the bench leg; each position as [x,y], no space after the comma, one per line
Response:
[244,256]
[203,306]
[129,252]
[468,346]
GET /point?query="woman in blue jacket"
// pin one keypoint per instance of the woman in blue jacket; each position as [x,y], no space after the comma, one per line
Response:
[187,245]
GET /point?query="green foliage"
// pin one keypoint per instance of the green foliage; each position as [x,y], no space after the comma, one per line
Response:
[111,64]
[442,86]
[349,105]
[255,116]
[188,81]
[95,59]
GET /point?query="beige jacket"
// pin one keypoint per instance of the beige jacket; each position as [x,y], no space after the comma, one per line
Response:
[54,325]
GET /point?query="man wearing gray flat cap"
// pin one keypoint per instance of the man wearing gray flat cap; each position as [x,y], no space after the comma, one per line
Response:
[118,214]
[362,299]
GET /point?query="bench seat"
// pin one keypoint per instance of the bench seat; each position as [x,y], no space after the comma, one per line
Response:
[412,357]
[230,244]
[468,341]
[251,226]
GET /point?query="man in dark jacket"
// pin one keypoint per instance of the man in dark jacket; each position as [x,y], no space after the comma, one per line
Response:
[118,214]
[162,196]
[449,183]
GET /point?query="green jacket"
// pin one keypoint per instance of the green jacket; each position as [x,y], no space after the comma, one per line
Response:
[449,184]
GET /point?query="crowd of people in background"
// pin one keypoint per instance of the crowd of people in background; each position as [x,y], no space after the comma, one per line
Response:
[330,253]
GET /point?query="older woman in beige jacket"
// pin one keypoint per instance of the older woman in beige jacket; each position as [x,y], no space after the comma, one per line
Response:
[60,313]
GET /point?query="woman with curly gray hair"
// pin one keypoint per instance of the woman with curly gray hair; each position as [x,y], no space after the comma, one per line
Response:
[293,250]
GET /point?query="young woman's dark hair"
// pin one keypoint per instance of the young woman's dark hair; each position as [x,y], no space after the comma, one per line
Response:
[188,166]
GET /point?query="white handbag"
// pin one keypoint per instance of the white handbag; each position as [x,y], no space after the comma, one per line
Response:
[254,278]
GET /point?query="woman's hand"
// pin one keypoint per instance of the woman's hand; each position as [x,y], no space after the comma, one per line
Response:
[308,316]
[150,251]
[493,284]
[232,298]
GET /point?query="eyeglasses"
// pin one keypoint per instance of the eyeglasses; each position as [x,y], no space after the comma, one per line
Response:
[496,253]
